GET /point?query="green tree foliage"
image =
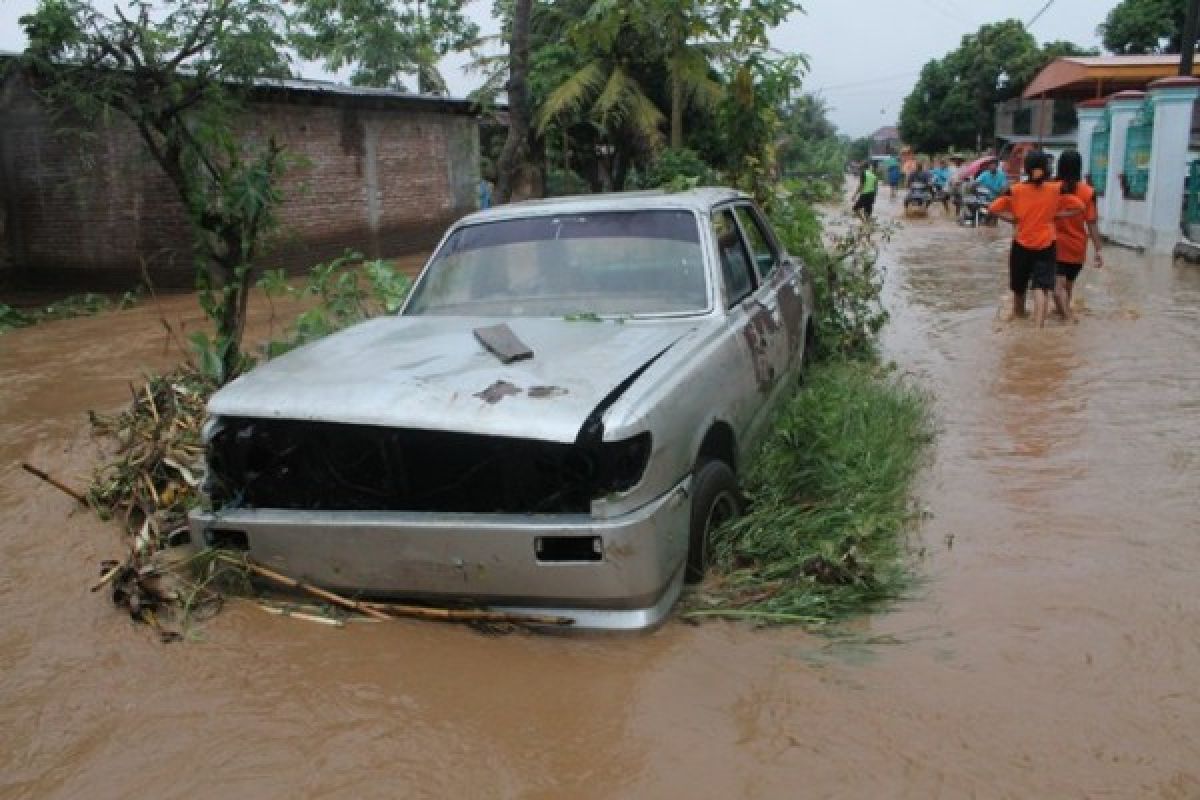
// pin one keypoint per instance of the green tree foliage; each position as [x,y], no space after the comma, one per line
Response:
[953,101]
[750,119]
[629,69]
[808,148]
[384,40]
[177,72]
[1144,26]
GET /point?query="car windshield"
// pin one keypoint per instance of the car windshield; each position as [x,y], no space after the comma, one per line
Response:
[602,263]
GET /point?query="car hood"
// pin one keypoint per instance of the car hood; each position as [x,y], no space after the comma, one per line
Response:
[430,372]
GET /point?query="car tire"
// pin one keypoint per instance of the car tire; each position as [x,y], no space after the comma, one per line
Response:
[716,499]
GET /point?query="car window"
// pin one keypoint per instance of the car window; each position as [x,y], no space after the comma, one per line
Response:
[735,262]
[617,263]
[760,246]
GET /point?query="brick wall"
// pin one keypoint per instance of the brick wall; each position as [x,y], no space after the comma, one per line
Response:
[377,176]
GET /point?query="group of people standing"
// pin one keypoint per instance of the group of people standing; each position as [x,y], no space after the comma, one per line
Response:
[1053,219]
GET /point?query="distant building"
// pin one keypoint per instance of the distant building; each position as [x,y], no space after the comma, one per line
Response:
[1045,112]
[885,141]
[377,171]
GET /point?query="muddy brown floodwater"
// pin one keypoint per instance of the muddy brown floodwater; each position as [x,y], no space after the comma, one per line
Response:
[1052,650]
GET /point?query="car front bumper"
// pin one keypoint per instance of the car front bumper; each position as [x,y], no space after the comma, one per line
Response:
[630,579]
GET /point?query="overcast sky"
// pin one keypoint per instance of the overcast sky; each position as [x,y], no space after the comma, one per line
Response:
[865,54]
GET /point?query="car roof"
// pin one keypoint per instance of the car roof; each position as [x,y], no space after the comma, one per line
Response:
[702,200]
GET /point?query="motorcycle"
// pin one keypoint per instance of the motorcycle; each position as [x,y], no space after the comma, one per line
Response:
[975,201]
[918,198]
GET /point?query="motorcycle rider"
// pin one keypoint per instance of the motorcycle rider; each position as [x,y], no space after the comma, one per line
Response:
[993,178]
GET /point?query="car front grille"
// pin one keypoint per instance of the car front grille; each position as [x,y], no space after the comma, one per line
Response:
[286,464]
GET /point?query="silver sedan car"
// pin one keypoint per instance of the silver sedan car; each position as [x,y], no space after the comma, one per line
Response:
[553,422]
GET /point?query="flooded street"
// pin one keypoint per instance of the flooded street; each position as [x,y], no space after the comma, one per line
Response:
[1052,648]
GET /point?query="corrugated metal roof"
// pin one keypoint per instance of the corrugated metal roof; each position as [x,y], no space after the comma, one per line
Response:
[332,89]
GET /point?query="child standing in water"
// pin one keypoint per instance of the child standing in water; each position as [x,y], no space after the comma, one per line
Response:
[1033,206]
[1073,232]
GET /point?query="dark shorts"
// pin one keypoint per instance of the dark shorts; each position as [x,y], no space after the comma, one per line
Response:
[865,203]
[1026,266]
[1069,271]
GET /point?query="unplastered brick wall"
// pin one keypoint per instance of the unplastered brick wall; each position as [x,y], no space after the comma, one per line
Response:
[86,213]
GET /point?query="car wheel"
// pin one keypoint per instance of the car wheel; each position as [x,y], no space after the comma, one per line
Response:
[715,501]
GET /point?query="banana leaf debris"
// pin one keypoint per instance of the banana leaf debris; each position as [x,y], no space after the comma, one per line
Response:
[150,478]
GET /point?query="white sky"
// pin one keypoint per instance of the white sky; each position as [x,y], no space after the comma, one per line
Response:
[865,54]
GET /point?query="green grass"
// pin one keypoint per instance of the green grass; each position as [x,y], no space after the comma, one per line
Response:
[829,493]
[76,305]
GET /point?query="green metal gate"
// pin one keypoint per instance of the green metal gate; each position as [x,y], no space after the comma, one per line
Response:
[1137,152]
[1098,157]
[1192,203]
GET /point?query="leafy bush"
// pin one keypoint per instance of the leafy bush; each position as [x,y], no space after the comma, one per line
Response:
[347,289]
[847,278]
[560,182]
[679,168]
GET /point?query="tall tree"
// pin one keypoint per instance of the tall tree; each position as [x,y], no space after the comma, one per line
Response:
[177,72]
[1135,27]
[953,101]
[515,154]
[384,41]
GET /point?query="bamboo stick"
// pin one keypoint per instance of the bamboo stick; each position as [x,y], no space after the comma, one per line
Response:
[315,591]
[57,484]
[468,615]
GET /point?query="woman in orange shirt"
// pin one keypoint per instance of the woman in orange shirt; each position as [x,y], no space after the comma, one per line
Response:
[1034,206]
[1074,232]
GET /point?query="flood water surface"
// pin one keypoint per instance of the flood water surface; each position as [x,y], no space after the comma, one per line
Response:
[1052,648]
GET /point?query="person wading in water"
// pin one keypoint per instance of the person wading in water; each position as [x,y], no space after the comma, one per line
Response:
[864,197]
[1033,206]
[1073,232]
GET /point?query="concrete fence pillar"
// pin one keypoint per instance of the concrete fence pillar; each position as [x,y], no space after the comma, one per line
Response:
[1089,113]
[1120,218]
[1172,99]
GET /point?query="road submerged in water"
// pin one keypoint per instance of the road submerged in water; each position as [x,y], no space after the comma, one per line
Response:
[1051,650]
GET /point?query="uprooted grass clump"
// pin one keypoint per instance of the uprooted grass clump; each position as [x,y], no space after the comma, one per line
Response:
[829,503]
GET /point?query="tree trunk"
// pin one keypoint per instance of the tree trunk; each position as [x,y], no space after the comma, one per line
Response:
[676,110]
[515,155]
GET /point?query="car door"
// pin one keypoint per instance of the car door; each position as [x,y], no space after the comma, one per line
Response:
[781,291]
[764,331]
[753,330]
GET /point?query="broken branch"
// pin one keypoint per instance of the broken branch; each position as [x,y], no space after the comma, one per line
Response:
[57,484]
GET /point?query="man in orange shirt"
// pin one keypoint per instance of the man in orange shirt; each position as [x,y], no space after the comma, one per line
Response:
[1033,206]
[1073,232]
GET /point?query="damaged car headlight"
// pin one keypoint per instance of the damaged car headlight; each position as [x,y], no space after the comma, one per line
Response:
[623,463]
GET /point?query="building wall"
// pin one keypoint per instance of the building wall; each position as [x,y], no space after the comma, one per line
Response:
[85,213]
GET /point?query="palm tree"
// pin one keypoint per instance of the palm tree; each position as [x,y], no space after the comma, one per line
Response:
[604,86]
